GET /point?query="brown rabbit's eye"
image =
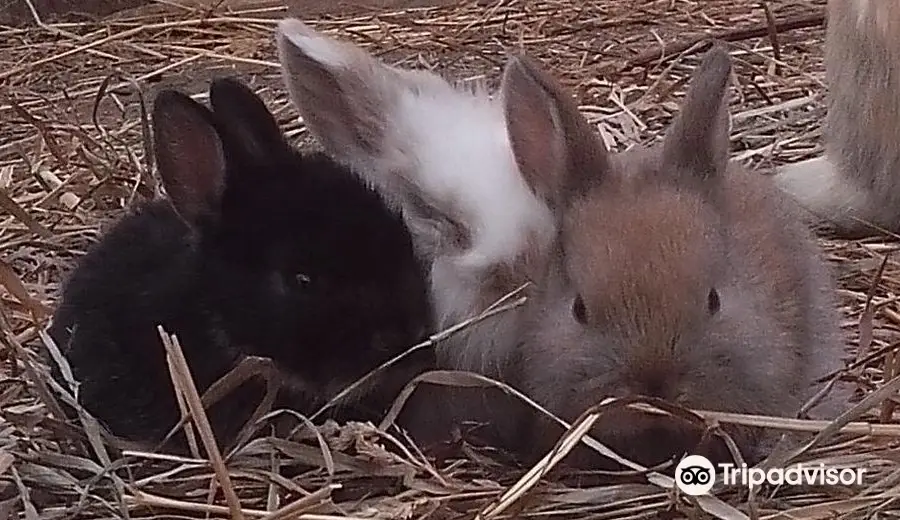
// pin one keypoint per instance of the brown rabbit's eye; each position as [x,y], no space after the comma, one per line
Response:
[713,301]
[579,310]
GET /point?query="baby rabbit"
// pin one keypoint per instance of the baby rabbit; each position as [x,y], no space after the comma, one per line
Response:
[858,178]
[258,251]
[440,153]
[676,275]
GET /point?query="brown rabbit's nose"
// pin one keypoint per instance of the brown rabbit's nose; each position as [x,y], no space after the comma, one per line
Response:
[653,389]
[654,385]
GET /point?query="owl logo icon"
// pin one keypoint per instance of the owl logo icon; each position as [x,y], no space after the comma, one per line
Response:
[695,475]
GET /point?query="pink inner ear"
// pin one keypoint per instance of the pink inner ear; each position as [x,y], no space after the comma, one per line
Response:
[196,191]
[190,159]
[559,154]
[535,136]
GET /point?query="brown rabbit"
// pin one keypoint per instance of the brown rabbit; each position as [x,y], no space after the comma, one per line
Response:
[858,178]
[676,275]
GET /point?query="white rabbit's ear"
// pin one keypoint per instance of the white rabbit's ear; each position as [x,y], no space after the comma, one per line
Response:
[344,95]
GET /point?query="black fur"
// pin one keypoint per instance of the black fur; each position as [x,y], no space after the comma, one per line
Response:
[260,251]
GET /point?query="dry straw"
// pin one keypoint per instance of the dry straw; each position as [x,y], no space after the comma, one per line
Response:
[73,155]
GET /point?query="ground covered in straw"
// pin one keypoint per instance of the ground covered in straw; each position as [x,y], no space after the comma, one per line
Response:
[72,157]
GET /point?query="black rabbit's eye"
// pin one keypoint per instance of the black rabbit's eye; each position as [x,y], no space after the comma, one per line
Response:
[712,301]
[301,280]
[579,310]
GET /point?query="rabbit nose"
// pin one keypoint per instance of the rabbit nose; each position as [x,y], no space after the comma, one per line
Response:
[653,385]
[656,388]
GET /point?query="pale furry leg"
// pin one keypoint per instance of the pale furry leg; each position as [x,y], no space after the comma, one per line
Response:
[820,188]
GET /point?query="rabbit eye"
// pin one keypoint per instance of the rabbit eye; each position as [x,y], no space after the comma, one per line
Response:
[301,279]
[579,310]
[713,301]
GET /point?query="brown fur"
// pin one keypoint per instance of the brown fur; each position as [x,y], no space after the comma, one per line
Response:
[859,176]
[646,239]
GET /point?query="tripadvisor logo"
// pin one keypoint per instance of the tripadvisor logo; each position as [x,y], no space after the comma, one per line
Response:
[696,475]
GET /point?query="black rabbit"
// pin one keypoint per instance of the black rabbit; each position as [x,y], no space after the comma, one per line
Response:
[258,251]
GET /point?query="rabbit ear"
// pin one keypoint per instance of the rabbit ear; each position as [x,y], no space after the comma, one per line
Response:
[341,92]
[556,149]
[696,146]
[247,126]
[189,155]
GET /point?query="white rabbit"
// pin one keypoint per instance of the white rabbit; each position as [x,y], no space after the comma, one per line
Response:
[440,152]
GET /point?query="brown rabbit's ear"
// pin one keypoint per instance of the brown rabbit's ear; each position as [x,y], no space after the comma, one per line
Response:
[189,156]
[696,146]
[557,151]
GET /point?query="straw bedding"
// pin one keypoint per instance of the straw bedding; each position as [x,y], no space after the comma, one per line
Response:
[72,157]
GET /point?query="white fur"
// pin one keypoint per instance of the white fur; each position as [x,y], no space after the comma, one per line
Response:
[458,144]
[816,184]
[447,144]
[468,165]
[319,48]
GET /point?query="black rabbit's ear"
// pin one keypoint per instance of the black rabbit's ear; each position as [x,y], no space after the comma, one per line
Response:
[247,125]
[189,155]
